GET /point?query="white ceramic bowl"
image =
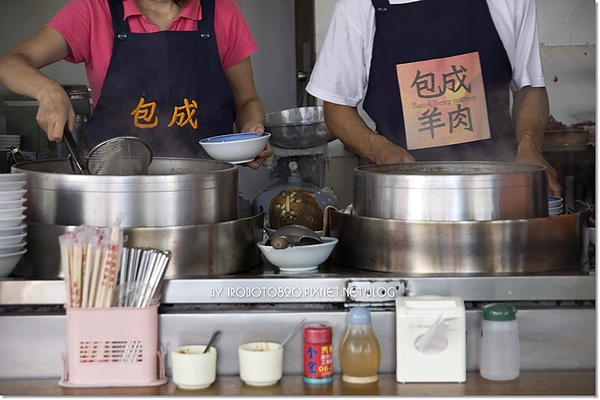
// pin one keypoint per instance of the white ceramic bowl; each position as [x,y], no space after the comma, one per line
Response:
[10,222]
[6,195]
[236,148]
[8,262]
[13,230]
[12,203]
[12,239]
[261,363]
[12,212]
[14,176]
[192,368]
[12,185]
[299,258]
[12,248]
[555,210]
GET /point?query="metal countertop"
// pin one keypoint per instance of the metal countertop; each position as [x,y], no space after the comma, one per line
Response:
[331,284]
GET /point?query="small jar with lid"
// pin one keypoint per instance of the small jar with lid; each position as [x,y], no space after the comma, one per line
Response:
[500,351]
[318,354]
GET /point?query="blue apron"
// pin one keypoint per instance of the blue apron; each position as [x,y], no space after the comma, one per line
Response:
[168,88]
[437,29]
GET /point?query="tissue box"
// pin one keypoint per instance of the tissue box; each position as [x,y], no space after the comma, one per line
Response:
[430,339]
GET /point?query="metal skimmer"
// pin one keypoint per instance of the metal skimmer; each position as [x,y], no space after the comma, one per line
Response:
[125,155]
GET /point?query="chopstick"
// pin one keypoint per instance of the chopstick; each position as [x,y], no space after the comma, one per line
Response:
[96,266]
[142,276]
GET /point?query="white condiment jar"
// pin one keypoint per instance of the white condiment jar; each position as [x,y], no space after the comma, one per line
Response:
[500,352]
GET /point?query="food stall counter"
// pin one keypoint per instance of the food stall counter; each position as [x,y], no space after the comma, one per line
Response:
[529,383]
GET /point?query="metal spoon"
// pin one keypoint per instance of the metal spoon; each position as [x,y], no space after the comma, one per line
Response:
[293,332]
[293,235]
[280,242]
[212,340]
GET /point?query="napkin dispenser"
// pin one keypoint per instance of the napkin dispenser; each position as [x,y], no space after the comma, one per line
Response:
[430,339]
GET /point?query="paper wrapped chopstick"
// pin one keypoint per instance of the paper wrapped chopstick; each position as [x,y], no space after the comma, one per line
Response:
[90,260]
[100,272]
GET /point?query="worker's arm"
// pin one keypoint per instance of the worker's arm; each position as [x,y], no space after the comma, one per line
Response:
[347,125]
[20,72]
[530,117]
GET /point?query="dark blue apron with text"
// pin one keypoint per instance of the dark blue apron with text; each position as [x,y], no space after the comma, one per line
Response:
[449,63]
[168,88]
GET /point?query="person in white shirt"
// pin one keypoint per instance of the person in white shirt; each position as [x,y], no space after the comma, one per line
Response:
[435,76]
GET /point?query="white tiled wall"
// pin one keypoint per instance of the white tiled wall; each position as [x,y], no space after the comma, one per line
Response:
[567,31]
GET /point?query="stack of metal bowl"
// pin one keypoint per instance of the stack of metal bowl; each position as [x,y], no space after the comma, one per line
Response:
[298,128]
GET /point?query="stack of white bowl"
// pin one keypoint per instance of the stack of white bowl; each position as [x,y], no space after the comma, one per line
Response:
[6,141]
[555,205]
[12,226]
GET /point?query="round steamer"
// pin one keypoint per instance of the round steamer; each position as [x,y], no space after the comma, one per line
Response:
[451,191]
[175,192]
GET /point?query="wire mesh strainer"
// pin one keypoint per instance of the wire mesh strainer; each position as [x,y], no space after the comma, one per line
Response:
[125,155]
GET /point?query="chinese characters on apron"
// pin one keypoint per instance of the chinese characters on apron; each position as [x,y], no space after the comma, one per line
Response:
[439,81]
[443,102]
[168,88]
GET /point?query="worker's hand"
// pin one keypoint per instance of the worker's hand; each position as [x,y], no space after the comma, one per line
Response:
[54,112]
[386,152]
[264,154]
[532,156]
[258,128]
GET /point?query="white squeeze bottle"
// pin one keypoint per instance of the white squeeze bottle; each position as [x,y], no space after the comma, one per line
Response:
[360,353]
[500,352]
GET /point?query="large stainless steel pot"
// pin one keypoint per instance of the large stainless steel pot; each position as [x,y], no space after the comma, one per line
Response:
[451,191]
[523,246]
[196,250]
[176,192]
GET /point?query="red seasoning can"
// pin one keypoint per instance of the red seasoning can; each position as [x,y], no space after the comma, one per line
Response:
[318,354]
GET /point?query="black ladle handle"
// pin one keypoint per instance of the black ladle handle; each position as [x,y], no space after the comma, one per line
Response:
[78,160]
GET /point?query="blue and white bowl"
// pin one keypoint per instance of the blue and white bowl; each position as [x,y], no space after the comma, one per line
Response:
[555,201]
[555,205]
[235,148]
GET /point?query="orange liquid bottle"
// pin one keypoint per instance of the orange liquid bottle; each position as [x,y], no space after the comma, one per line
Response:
[360,353]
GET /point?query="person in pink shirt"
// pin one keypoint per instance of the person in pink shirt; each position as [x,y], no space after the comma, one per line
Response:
[169,71]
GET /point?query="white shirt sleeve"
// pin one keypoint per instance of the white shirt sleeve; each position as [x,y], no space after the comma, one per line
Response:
[341,71]
[516,23]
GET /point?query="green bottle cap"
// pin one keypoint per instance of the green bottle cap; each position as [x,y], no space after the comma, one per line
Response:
[499,312]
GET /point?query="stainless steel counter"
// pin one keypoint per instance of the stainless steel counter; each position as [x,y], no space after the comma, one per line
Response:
[331,284]
[557,317]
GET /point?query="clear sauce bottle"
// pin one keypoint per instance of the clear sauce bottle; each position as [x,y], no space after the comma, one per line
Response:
[360,353]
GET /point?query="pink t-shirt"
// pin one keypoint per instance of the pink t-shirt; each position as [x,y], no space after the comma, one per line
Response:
[87,27]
